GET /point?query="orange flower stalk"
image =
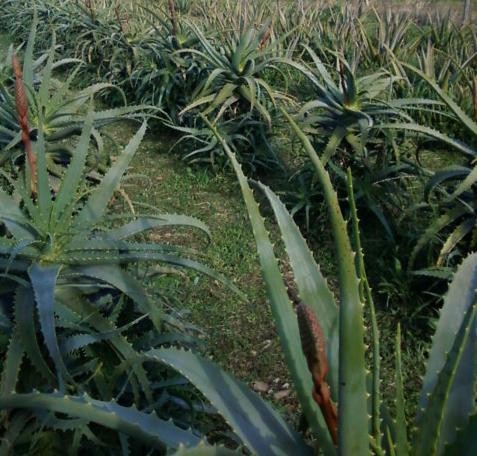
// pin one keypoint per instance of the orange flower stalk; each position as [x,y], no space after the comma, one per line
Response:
[314,348]
[22,114]
[265,38]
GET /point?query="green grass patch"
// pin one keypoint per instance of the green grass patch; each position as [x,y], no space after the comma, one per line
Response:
[239,335]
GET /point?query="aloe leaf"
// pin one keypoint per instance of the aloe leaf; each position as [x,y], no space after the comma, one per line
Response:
[400,441]
[367,297]
[313,288]
[93,89]
[466,184]
[147,223]
[333,143]
[466,440]
[99,199]
[215,73]
[12,363]
[252,89]
[323,72]
[115,276]
[455,237]
[272,94]
[352,404]
[224,93]
[66,61]
[447,174]
[99,250]
[74,303]
[454,409]
[416,128]
[147,428]
[445,412]
[28,59]
[96,259]
[282,310]
[45,86]
[252,419]
[74,173]
[44,194]
[127,112]
[247,94]
[77,341]
[434,272]
[14,218]
[23,191]
[229,102]
[43,280]
[24,316]
[244,43]
[461,115]
[436,226]
[198,102]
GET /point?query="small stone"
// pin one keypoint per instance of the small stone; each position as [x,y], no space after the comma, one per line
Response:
[266,344]
[279,395]
[260,387]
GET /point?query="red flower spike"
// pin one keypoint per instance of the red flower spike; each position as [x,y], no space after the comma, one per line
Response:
[21,102]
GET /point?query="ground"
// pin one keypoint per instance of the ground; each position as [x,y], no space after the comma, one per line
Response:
[239,334]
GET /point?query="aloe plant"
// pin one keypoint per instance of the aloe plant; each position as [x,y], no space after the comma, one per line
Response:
[67,298]
[344,113]
[62,237]
[62,109]
[234,81]
[343,120]
[454,209]
[162,76]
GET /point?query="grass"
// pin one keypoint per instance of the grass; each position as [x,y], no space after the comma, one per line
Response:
[239,335]
[5,42]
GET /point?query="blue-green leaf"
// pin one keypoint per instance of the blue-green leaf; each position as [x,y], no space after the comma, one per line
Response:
[43,280]
[147,428]
[458,401]
[261,428]
[97,203]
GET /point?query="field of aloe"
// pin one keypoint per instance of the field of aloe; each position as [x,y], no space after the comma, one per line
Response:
[234,227]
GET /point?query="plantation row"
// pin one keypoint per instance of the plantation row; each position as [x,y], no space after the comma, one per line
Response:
[375,107]
[342,108]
